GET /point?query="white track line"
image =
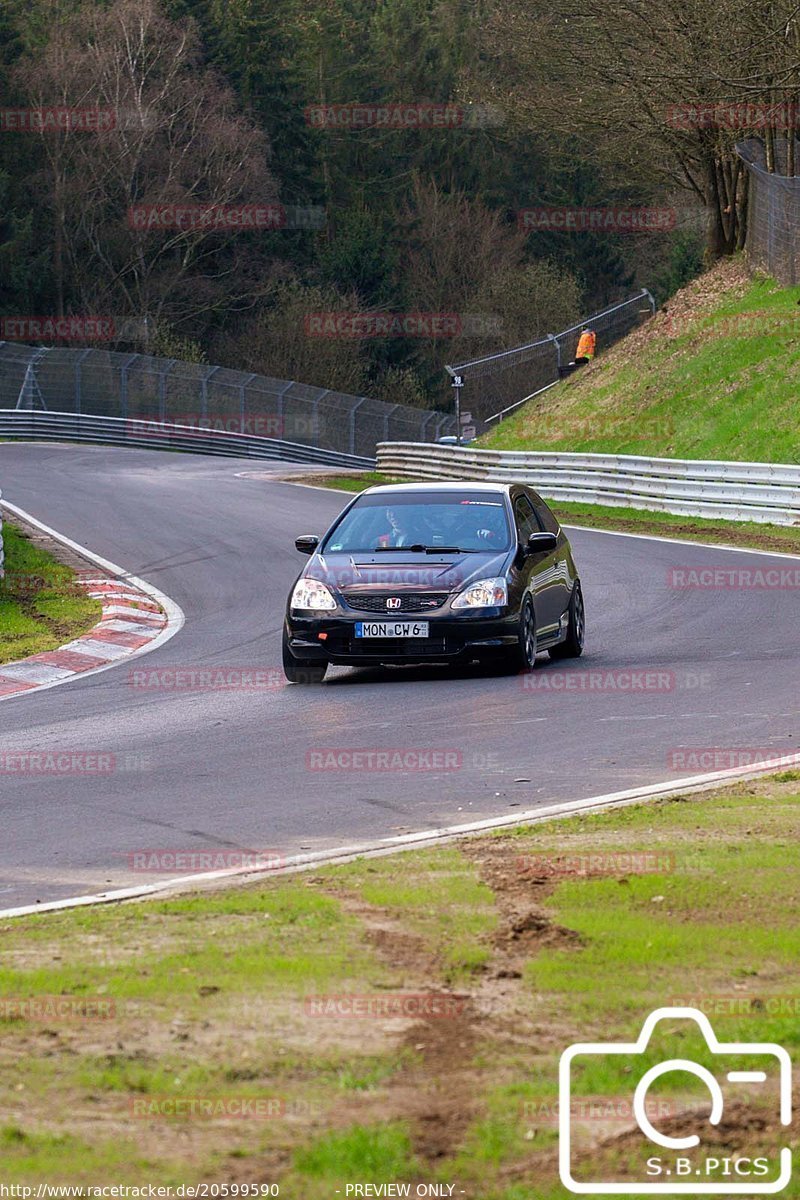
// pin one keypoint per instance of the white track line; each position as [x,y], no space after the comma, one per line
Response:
[175,615]
[413,841]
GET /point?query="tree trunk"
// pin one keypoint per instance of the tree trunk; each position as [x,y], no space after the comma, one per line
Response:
[769,148]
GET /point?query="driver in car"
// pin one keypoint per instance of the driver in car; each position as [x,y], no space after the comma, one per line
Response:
[396,534]
[491,528]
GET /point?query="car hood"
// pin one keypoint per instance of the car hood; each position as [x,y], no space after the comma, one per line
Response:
[404,571]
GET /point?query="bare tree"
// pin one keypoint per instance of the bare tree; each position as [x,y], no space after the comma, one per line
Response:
[169,134]
[646,90]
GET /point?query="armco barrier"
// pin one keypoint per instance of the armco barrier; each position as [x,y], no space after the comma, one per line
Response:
[766,493]
[159,435]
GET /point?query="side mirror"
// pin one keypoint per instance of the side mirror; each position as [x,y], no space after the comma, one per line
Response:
[306,543]
[540,543]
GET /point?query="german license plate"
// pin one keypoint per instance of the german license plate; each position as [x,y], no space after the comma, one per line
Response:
[391,629]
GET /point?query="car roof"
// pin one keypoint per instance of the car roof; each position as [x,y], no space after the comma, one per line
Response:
[434,486]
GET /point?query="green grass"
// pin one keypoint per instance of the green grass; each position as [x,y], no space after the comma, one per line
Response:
[363,1152]
[426,890]
[722,384]
[210,991]
[41,607]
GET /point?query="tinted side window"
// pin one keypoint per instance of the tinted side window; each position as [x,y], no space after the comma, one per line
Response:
[525,519]
[546,518]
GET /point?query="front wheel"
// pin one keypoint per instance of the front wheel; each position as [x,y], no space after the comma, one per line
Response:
[523,655]
[572,646]
[299,670]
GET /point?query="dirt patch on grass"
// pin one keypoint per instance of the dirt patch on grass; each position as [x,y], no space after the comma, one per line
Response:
[438,1089]
[434,1090]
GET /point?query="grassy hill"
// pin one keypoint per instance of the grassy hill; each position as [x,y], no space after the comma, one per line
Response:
[715,374]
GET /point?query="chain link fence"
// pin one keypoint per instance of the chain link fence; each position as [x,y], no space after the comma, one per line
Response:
[499,383]
[773,221]
[93,382]
[162,391]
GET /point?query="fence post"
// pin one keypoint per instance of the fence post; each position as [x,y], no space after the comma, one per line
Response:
[440,424]
[204,392]
[352,421]
[162,389]
[123,384]
[425,422]
[281,394]
[557,345]
[386,421]
[242,386]
[30,384]
[79,378]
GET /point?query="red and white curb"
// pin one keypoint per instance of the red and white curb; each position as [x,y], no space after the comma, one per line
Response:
[137,618]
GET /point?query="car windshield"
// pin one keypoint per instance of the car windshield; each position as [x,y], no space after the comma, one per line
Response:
[421,522]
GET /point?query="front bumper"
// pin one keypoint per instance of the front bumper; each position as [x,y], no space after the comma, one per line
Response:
[481,635]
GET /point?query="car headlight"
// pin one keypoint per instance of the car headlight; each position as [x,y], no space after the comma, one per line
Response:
[310,594]
[486,593]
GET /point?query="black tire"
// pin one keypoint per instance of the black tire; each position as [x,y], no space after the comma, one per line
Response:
[572,646]
[523,656]
[299,670]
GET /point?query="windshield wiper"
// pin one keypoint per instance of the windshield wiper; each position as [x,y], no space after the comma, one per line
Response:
[419,549]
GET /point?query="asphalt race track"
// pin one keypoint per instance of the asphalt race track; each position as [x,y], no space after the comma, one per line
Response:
[230,769]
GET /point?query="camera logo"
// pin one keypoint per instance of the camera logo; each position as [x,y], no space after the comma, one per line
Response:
[676,1170]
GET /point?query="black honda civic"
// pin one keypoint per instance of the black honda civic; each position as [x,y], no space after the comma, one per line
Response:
[435,573]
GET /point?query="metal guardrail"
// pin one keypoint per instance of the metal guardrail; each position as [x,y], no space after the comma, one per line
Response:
[25,424]
[765,493]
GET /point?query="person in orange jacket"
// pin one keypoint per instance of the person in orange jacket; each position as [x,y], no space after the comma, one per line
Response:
[586,347]
[584,352]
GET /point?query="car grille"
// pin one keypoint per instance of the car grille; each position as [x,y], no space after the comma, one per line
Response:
[396,647]
[375,602]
